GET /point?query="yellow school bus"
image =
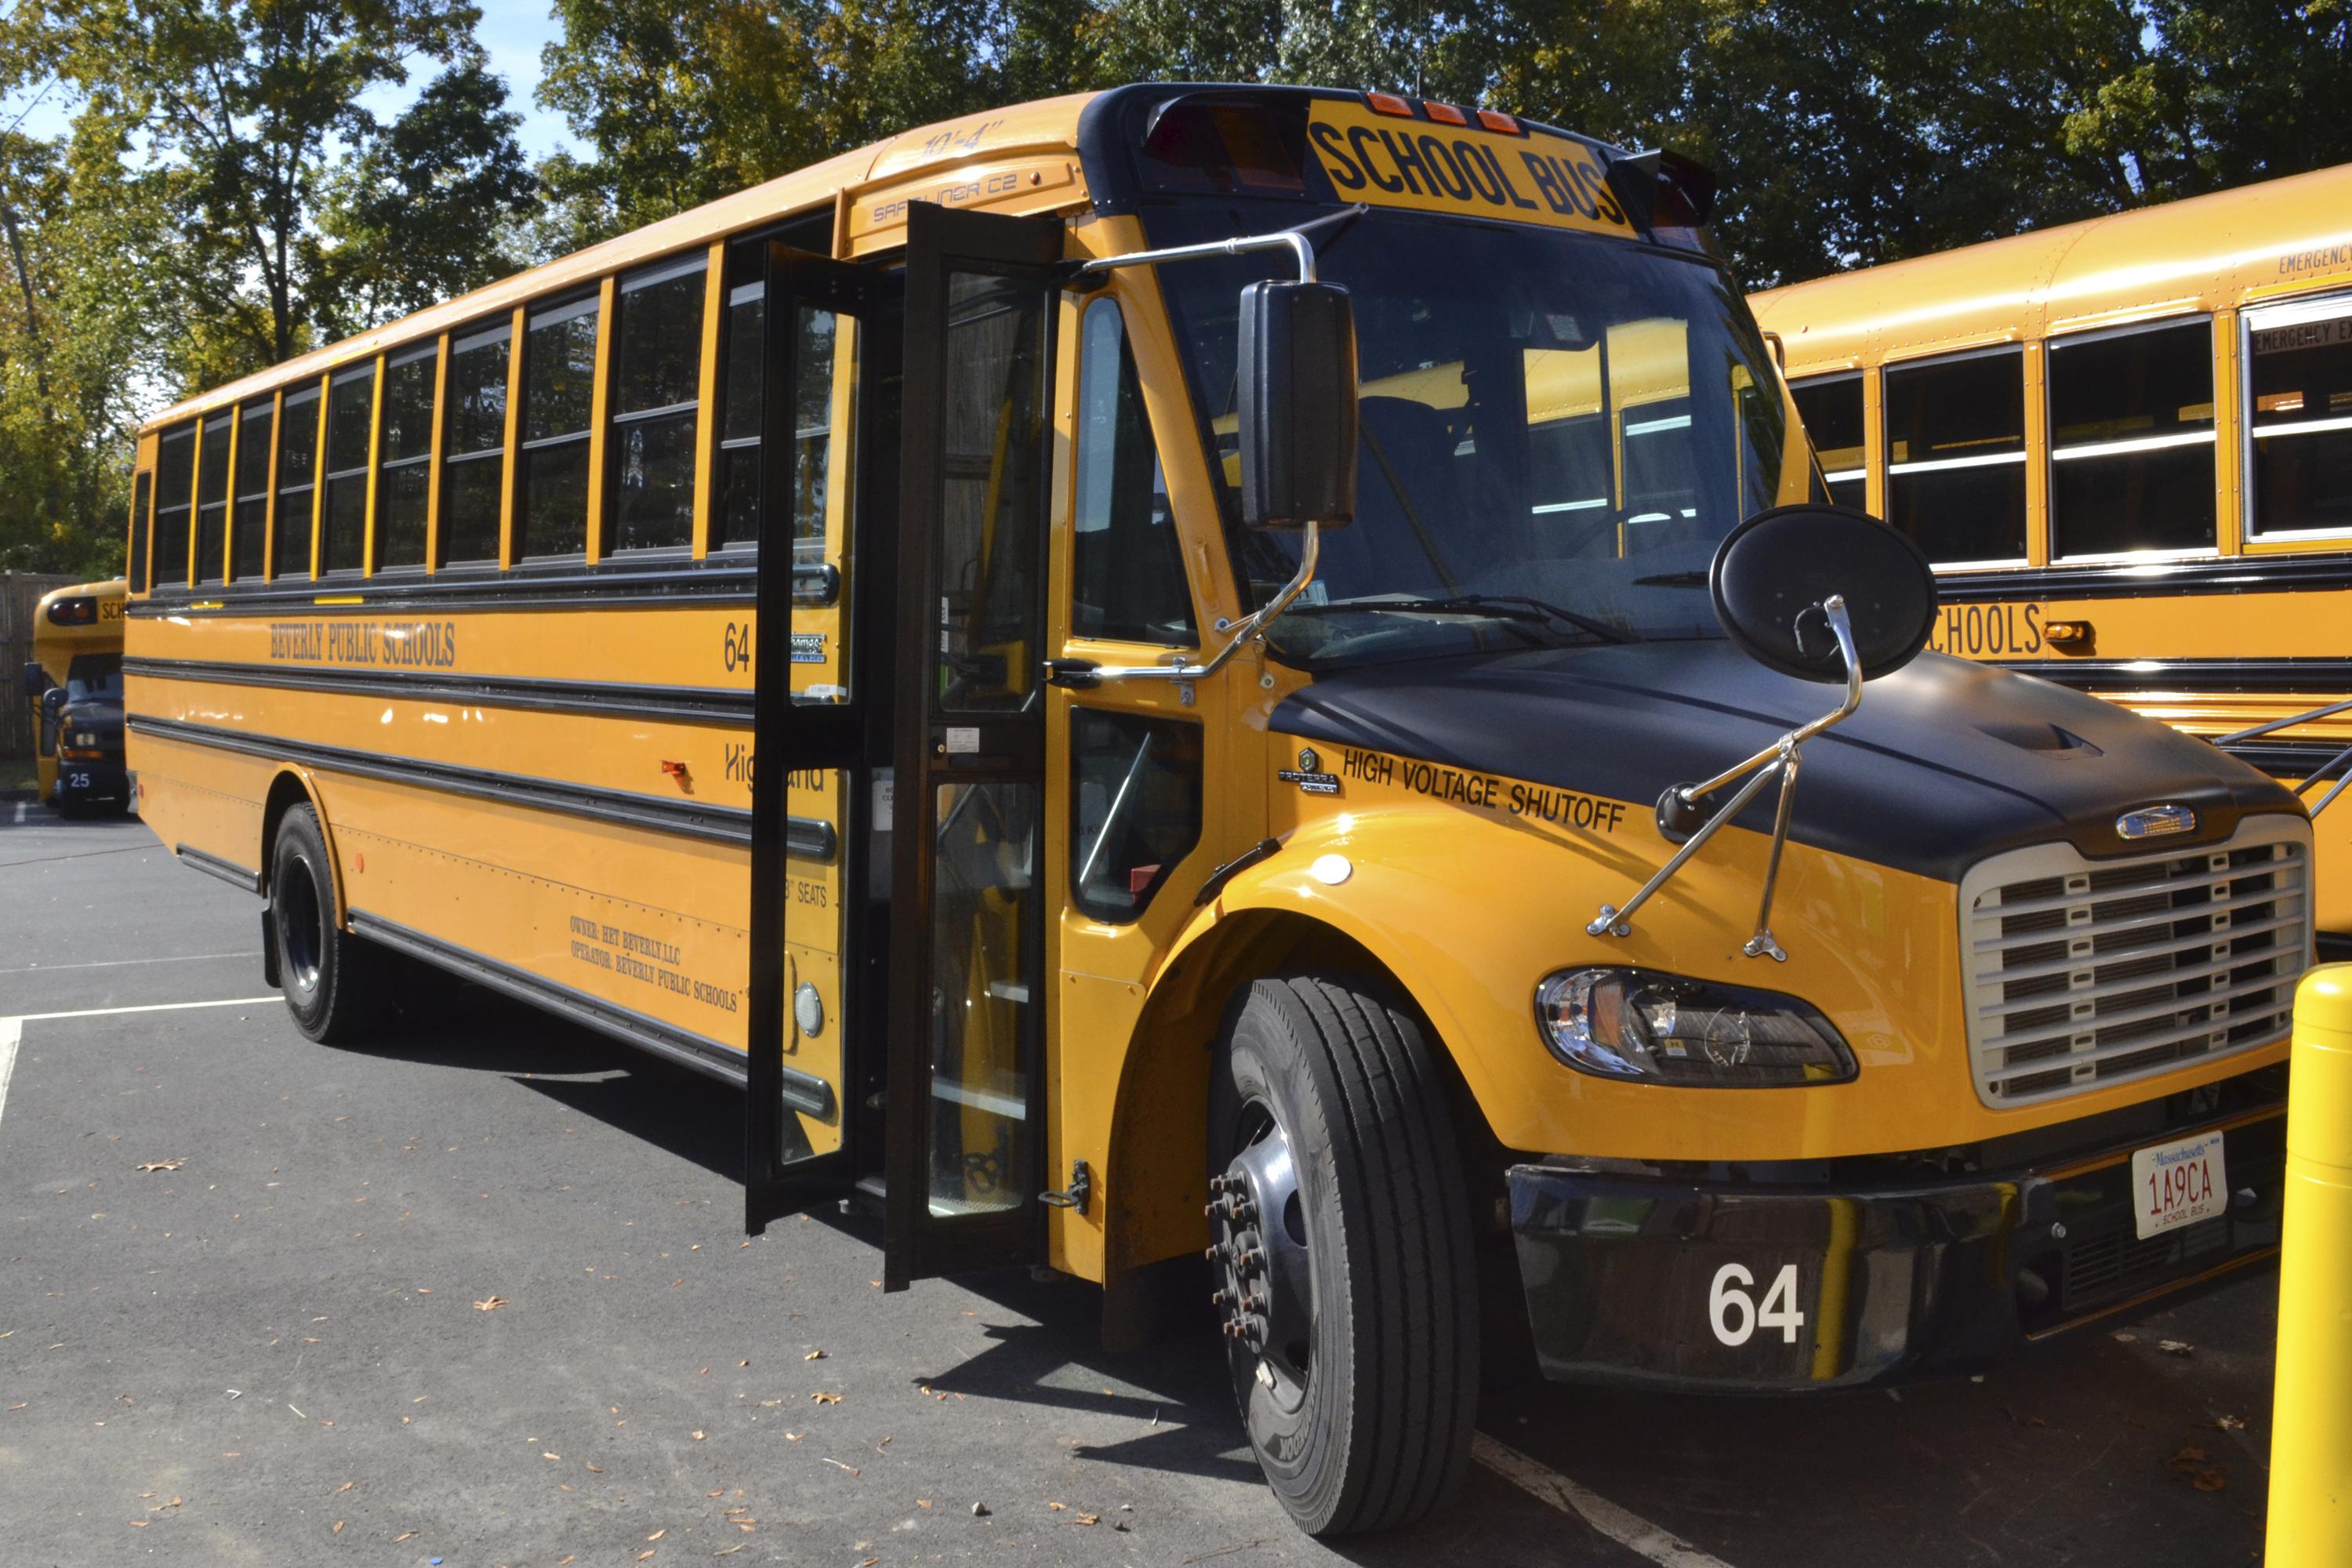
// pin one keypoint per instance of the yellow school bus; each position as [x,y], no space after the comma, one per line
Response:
[2127,444]
[1303,611]
[74,682]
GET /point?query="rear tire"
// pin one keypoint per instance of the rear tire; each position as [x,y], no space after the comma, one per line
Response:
[1345,1250]
[332,979]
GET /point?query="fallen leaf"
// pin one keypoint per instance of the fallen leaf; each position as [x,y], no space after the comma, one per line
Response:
[648,1552]
[1059,1507]
[492,1305]
[837,1465]
[139,1523]
[657,1534]
[594,1470]
[154,1165]
[346,1486]
[404,1535]
[826,1398]
[813,1355]
[2175,1347]
[552,1457]
[339,1528]
[697,1436]
[2231,1423]
[1089,1518]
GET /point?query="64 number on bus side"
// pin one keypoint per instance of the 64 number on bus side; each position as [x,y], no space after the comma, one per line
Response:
[1736,1315]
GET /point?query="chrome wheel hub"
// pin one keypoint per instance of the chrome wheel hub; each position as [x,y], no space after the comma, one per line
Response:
[1267,1282]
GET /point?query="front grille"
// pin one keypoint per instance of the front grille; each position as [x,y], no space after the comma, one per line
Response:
[2085,973]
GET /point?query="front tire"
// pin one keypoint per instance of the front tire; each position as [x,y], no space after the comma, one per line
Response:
[332,978]
[1350,1292]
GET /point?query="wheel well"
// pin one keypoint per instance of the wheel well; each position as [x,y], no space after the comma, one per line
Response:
[287,791]
[1160,1128]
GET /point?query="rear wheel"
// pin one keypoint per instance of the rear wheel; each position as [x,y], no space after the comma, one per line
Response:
[332,979]
[1349,1292]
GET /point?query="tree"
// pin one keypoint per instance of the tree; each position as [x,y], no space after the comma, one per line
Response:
[243,109]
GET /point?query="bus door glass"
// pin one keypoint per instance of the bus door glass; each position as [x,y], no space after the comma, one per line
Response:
[964,1162]
[788,458]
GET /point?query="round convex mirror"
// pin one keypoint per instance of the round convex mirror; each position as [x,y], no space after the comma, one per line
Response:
[1773,570]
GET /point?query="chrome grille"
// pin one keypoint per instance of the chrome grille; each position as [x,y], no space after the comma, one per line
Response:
[2085,973]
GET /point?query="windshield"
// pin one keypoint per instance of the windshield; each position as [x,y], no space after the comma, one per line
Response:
[1557,431]
[93,678]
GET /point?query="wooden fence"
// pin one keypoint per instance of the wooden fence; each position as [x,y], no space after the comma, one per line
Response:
[20,595]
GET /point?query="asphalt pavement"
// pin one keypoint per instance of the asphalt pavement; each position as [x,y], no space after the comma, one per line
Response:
[478,1294]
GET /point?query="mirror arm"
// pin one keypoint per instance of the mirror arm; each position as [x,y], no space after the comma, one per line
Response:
[1780,759]
[1301,249]
[1248,629]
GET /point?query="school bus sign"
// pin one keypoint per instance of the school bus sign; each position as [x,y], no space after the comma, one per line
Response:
[1465,172]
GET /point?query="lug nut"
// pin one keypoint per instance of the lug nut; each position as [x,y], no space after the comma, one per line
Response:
[1249,1261]
[1213,1252]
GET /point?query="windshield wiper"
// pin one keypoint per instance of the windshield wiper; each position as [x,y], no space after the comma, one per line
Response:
[1495,606]
[1672,580]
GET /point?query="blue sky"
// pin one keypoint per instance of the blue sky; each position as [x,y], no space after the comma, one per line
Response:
[513,33]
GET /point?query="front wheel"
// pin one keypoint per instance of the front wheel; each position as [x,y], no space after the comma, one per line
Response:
[1342,1226]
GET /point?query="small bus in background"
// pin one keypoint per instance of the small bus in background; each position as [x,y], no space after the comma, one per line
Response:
[2127,444]
[74,683]
[1369,938]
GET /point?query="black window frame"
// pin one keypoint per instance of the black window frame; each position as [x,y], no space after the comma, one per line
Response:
[485,334]
[310,395]
[1859,380]
[550,313]
[2278,315]
[417,464]
[1125,400]
[333,478]
[142,516]
[175,560]
[2021,459]
[213,506]
[619,420]
[248,493]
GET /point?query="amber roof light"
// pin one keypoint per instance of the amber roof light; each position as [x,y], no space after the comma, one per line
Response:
[1389,103]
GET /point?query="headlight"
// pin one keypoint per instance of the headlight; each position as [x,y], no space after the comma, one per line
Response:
[1653,1027]
[84,738]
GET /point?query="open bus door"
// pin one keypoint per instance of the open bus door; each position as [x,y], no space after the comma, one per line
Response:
[811,707]
[964,1159]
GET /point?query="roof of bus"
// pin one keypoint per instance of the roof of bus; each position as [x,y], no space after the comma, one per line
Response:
[116,589]
[2284,236]
[973,139]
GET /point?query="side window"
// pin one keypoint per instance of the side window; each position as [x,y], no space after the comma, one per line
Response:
[2131,441]
[175,473]
[212,495]
[1135,795]
[2299,392]
[297,475]
[558,382]
[1127,569]
[404,458]
[1830,407]
[1956,456]
[657,382]
[350,415]
[473,446]
[737,520]
[247,539]
[143,490]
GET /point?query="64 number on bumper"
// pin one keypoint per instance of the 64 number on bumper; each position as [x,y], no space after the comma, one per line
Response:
[1736,1315]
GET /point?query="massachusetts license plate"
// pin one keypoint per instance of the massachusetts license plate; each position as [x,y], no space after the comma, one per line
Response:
[2175,1185]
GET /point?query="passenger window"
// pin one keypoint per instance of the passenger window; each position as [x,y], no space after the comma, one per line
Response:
[1830,407]
[142,491]
[474,453]
[298,474]
[737,521]
[212,495]
[994,482]
[175,473]
[1128,570]
[403,476]
[1956,457]
[558,401]
[656,371]
[1135,796]
[2299,382]
[2131,441]
[248,538]
[350,414]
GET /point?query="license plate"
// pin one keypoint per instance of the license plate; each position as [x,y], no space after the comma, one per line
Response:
[2175,1185]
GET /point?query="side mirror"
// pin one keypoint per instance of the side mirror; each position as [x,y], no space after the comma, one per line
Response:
[1298,405]
[1774,571]
[34,678]
[53,701]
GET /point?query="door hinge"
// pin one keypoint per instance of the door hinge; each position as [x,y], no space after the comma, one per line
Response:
[1081,1188]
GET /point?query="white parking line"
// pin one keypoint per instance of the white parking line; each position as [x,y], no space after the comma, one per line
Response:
[125,963]
[11,1031]
[151,1007]
[1627,1529]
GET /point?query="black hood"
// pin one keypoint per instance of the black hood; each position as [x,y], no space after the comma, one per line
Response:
[1946,762]
[97,715]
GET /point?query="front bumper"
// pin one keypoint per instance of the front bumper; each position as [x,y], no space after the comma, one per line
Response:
[102,783]
[1630,1280]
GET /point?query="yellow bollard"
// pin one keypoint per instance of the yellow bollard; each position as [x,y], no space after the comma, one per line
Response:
[2311,1417]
